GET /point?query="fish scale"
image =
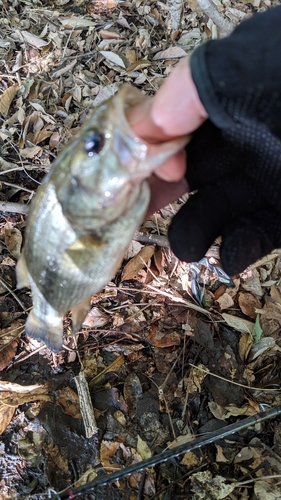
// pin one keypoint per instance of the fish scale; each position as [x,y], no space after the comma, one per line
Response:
[84,216]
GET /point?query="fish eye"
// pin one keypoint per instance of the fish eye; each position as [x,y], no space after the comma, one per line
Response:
[93,143]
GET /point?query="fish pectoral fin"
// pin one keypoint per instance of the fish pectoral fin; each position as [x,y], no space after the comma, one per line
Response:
[78,315]
[82,251]
[22,273]
[50,334]
[85,242]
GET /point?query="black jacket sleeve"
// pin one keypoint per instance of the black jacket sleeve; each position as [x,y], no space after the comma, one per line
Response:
[234,159]
[240,76]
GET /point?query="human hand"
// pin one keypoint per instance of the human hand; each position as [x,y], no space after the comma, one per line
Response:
[174,111]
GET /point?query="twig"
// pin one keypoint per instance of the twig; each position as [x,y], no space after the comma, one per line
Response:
[175,11]
[169,454]
[210,9]
[232,381]
[180,300]
[86,405]
[15,208]
[16,186]
[5,285]
[152,239]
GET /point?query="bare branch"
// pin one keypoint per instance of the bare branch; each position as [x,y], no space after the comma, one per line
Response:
[175,12]
[14,208]
[210,9]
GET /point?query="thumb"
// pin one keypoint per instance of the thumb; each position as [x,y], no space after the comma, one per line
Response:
[175,110]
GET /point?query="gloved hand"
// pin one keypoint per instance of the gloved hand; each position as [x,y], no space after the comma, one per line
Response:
[234,158]
[239,196]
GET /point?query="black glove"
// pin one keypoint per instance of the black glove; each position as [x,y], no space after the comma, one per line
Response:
[234,160]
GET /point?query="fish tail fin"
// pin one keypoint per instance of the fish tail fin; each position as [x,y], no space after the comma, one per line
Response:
[50,334]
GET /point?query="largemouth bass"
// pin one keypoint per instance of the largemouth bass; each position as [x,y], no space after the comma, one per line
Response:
[84,215]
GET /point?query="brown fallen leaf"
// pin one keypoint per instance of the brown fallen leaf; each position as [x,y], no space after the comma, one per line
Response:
[7,354]
[190,460]
[6,415]
[13,239]
[7,98]
[96,318]
[196,377]
[170,53]
[10,333]
[225,301]
[220,455]
[69,401]
[160,338]
[245,345]
[108,35]
[30,152]
[107,450]
[137,263]
[131,55]
[248,304]
[15,394]
[275,294]
[53,450]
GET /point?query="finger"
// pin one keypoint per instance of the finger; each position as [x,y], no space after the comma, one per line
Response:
[173,170]
[176,107]
[141,121]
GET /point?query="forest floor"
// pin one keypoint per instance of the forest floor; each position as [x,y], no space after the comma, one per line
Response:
[161,370]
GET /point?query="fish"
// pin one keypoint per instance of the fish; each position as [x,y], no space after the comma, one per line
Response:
[84,216]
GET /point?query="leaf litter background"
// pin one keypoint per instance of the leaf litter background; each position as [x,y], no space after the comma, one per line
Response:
[161,370]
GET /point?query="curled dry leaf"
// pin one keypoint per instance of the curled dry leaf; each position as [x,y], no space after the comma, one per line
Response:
[95,318]
[162,339]
[260,347]
[10,333]
[205,486]
[13,239]
[6,415]
[245,345]
[114,58]
[137,263]
[194,381]
[225,301]
[53,450]
[217,410]
[220,455]
[108,35]
[7,98]
[34,40]
[7,354]
[76,22]
[275,294]
[248,304]
[170,53]
[69,401]
[263,489]
[16,394]
[87,477]
[107,450]
[143,449]
[30,152]
[239,324]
